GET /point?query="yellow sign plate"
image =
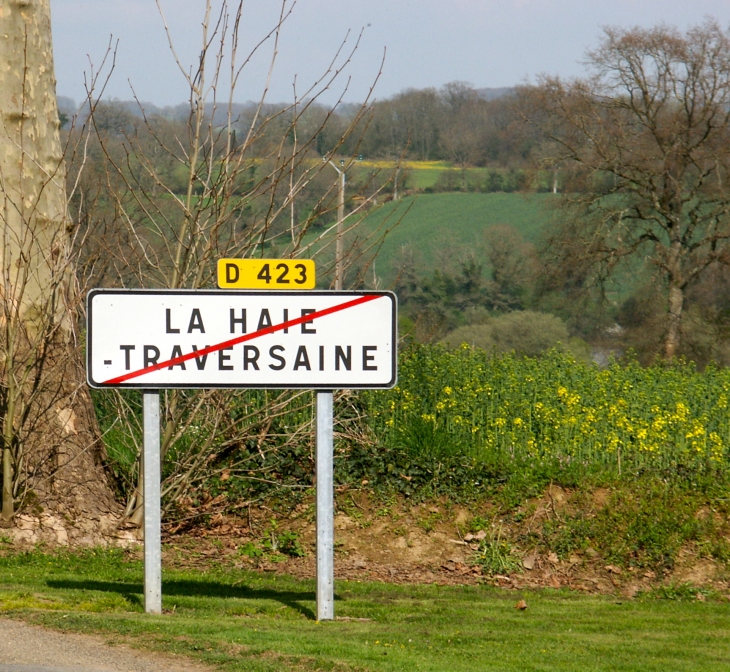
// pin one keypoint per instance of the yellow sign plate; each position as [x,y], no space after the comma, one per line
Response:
[266,274]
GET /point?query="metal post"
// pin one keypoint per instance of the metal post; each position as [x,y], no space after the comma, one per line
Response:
[152,536]
[325,509]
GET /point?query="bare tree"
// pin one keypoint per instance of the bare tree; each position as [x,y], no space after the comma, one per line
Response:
[645,141]
[464,127]
[241,177]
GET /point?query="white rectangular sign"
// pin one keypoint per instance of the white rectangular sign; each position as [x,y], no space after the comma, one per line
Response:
[212,338]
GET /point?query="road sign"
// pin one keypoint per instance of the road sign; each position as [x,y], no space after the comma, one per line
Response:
[266,274]
[212,338]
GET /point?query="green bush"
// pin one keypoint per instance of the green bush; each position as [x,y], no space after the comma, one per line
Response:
[525,332]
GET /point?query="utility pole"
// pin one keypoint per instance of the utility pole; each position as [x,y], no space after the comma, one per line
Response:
[339,257]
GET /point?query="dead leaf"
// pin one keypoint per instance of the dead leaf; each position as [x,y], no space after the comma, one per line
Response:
[521,605]
[468,537]
[480,535]
[225,475]
[528,562]
[434,509]
[552,557]
[612,569]
[554,582]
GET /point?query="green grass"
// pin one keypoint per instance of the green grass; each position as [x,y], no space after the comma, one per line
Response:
[419,175]
[433,223]
[247,621]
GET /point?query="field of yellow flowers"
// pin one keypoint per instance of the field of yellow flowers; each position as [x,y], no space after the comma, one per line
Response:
[626,418]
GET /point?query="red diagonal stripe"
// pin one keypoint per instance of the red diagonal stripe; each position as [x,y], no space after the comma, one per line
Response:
[242,339]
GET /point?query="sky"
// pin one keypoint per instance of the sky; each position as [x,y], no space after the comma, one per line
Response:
[424,43]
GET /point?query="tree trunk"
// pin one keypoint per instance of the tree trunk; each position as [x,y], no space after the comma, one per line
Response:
[674,322]
[51,447]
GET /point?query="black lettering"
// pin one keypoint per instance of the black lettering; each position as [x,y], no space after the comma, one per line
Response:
[149,359]
[176,352]
[284,268]
[286,319]
[127,349]
[238,320]
[367,357]
[321,358]
[302,359]
[307,311]
[250,356]
[346,359]
[232,273]
[264,319]
[223,358]
[196,322]
[273,355]
[168,325]
[302,274]
[200,361]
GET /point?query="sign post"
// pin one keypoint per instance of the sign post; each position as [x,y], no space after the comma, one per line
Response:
[324,465]
[151,480]
[321,340]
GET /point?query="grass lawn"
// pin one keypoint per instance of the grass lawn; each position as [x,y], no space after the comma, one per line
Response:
[249,621]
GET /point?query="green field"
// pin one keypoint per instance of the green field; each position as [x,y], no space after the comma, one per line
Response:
[418,175]
[248,621]
[424,175]
[432,226]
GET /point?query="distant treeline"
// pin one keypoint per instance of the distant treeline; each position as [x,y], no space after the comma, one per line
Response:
[456,123]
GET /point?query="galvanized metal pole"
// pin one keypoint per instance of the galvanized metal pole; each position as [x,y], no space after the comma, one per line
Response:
[152,534]
[325,509]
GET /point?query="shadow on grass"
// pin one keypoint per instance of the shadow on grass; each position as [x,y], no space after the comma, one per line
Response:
[133,592]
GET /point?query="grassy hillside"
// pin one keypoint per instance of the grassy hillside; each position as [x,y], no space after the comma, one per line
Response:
[433,227]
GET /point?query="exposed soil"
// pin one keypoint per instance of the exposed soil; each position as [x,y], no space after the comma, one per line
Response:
[391,541]
[428,543]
